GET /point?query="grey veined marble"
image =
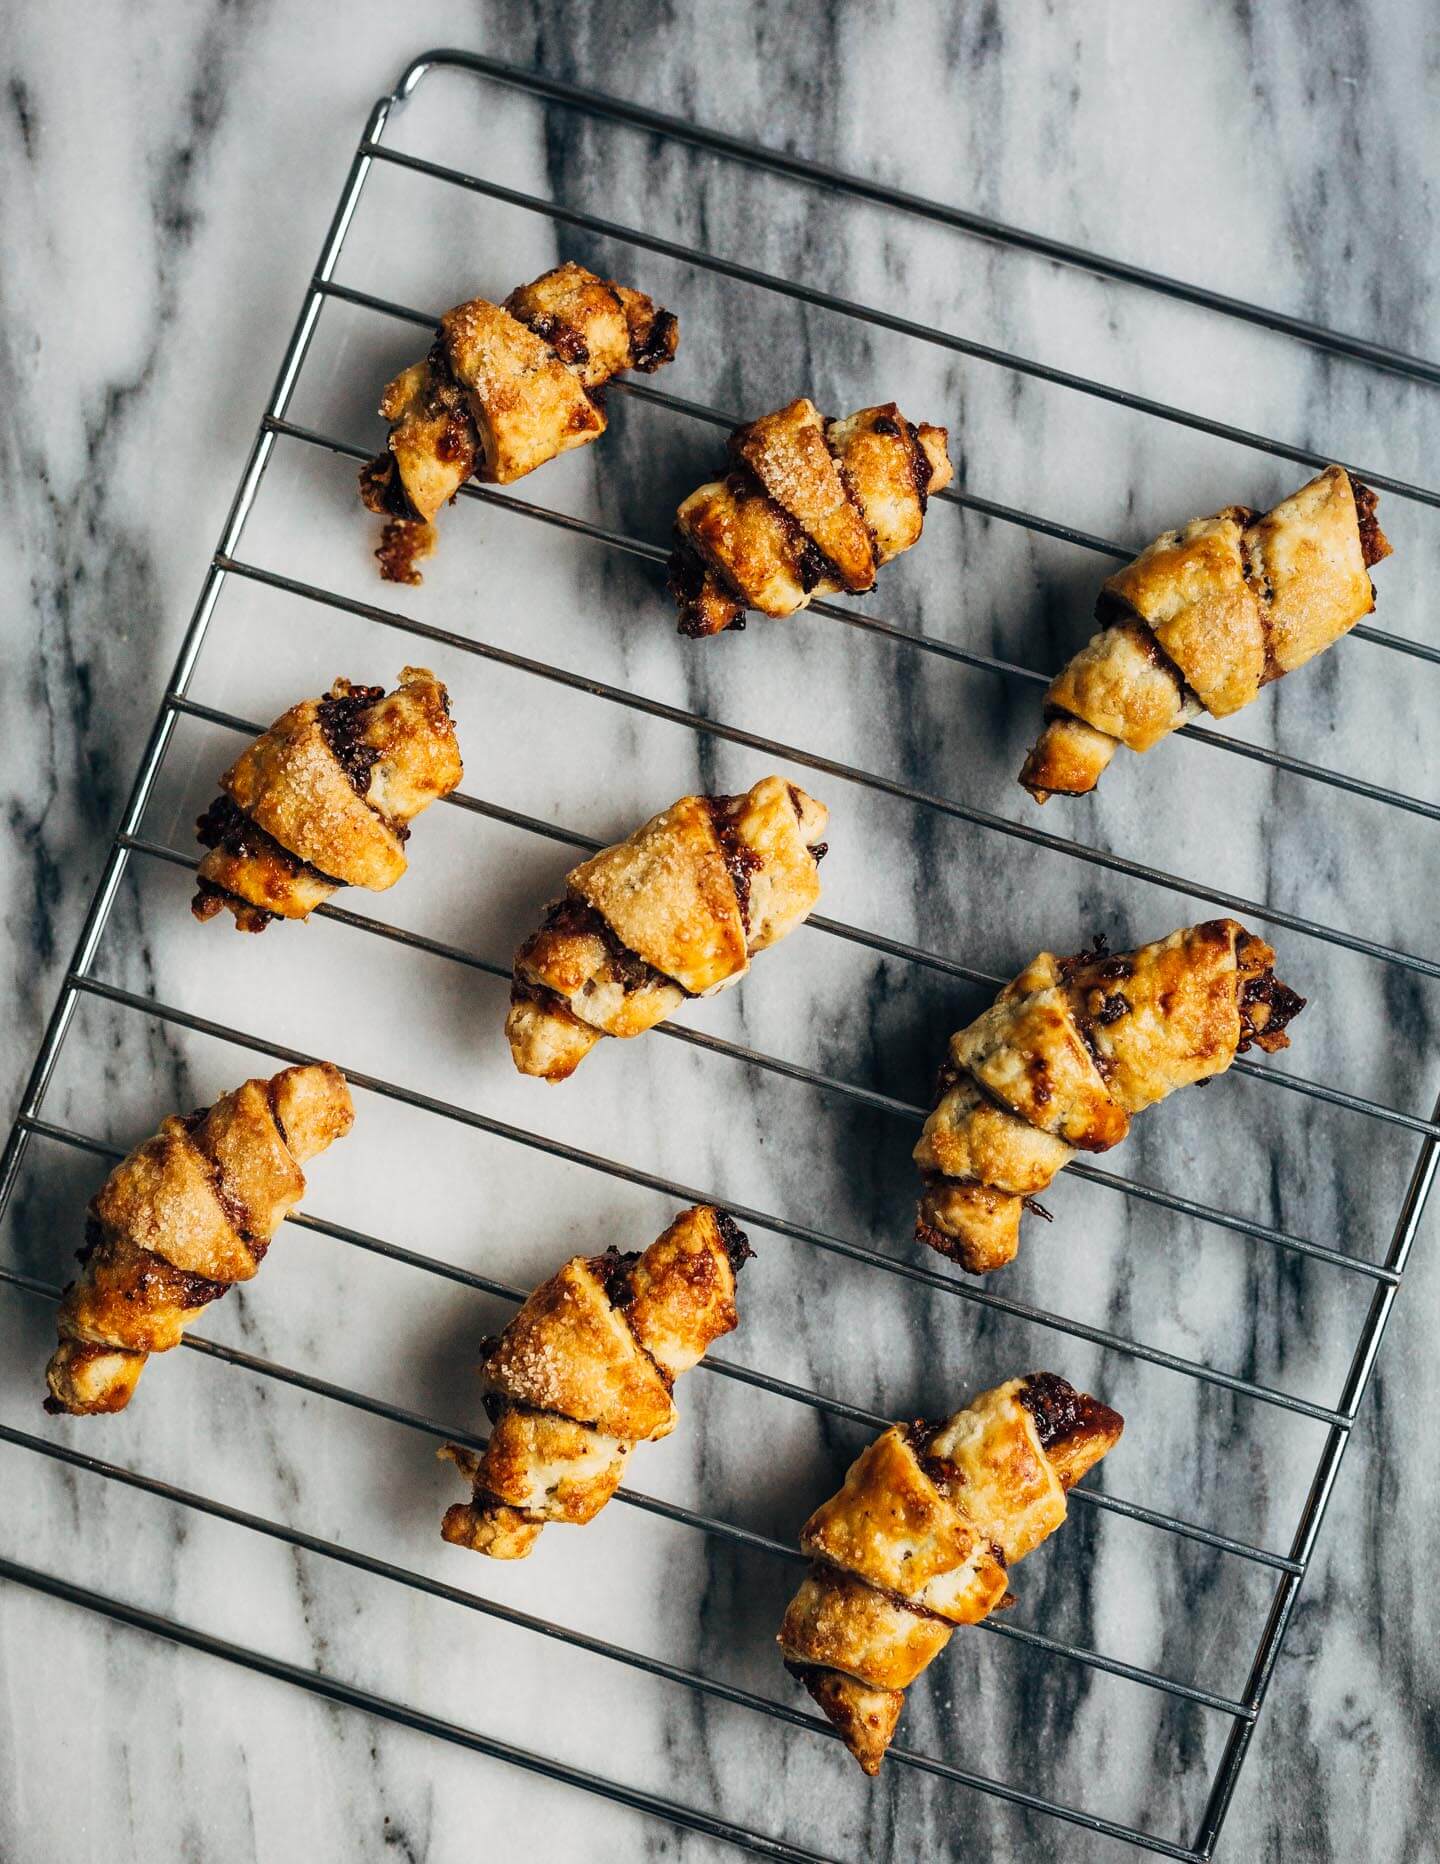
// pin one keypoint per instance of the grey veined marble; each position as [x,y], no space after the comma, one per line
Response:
[168,174]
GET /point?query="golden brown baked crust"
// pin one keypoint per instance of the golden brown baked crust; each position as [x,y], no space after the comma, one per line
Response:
[675,910]
[1203,619]
[323,799]
[809,507]
[584,1372]
[1070,1049]
[921,1538]
[180,1221]
[504,389]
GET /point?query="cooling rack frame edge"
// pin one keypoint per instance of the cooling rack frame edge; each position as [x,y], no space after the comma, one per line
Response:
[128,841]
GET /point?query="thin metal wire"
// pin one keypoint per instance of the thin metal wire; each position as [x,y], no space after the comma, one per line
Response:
[883,1103]
[833,1407]
[333,1690]
[616,1653]
[748,1538]
[1001,233]
[795,754]
[914,954]
[888,320]
[688,1194]
[1362,1366]
[951,495]
[128,840]
[351,1696]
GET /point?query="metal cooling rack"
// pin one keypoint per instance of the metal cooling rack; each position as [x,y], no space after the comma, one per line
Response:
[1289,1568]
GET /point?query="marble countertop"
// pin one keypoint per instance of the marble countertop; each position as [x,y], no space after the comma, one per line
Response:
[169,173]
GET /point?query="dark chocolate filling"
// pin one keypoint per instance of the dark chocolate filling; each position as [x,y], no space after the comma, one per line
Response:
[563,338]
[1057,1408]
[686,574]
[740,862]
[210,900]
[920,467]
[612,1271]
[737,1243]
[382,490]
[1098,965]
[654,343]
[1374,544]
[236,1213]
[340,718]
[1284,1004]
[224,825]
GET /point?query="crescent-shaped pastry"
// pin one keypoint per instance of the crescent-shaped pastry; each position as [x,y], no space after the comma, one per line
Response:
[674,911]
[921,1539]
[584,1372]
[180,1221]
[504,388]
[1203,619]
[324,798]
[1068,1051]
[809,507]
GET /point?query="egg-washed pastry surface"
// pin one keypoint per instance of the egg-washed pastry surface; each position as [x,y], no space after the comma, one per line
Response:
[1070,1049]
[584,1372]
[1203,619]
[324,799]
[504,389]
[180,1221]
[808,507]
[674,911]
[921,1539]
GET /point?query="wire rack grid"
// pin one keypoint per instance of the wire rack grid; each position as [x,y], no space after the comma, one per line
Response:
[1288,1567]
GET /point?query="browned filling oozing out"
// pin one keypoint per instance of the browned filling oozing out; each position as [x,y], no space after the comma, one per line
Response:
[931,1238]
[224,825]
[210,900]
[1097,965]
[737,1243]
[403,542]
[653,344]
[920,467]
[1374,544]
[381,490]
[700,590]
[1266,1007]
[612,1271]
[1058,1409]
